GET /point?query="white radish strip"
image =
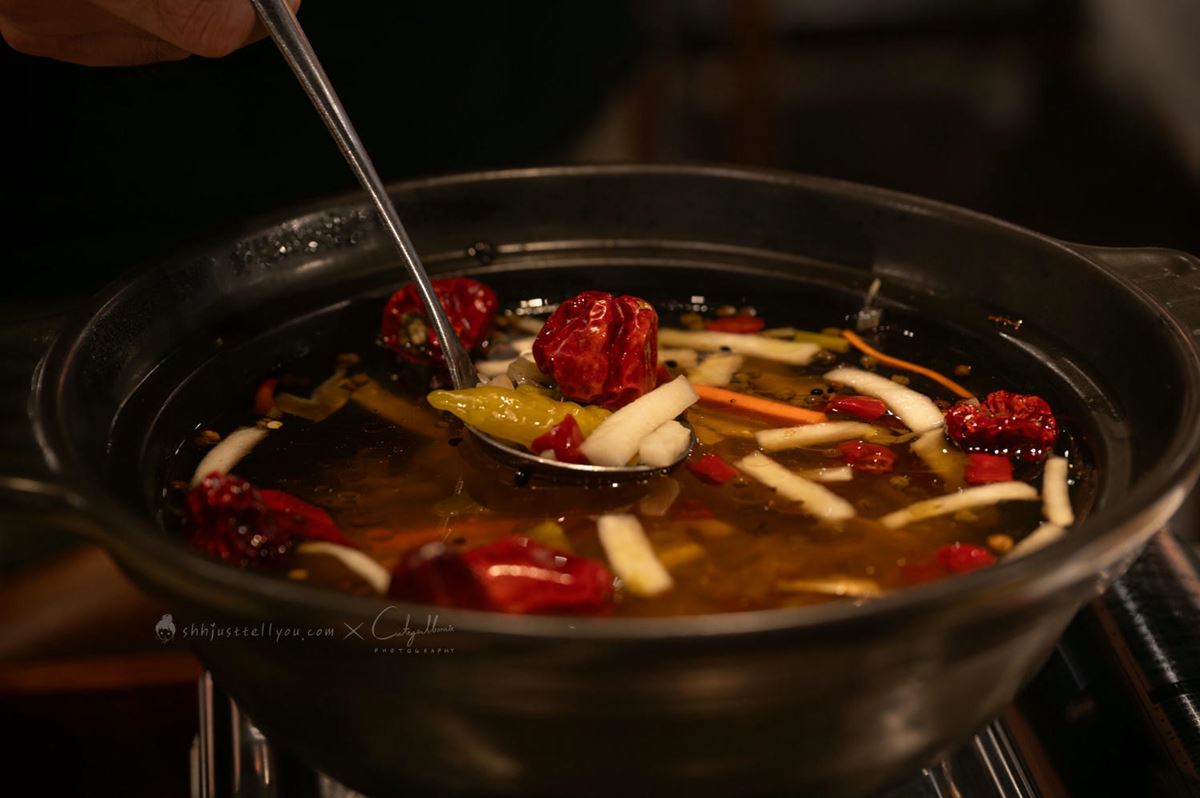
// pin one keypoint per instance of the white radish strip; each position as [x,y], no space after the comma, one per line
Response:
[616,440]
[791,352]
[943,459]
[1056,498]
[808,435]
[630,555]
[371,572]
[835,586]
[492,368]
[915,409]
[682,358]
[1039,538]
[816,500]
[980,496]
[716,370]
[229,452]
[665,445]
[663,493]
[838,474]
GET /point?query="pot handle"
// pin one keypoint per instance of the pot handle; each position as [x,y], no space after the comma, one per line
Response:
[48,504]
[1170,277]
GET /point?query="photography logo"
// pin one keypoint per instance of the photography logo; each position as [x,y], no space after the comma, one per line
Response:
[165,629]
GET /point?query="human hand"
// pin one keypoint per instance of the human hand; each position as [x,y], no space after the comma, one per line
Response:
[128,32]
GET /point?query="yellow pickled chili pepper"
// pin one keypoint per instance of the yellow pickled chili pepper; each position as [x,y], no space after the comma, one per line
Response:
[551,533]
[519,414]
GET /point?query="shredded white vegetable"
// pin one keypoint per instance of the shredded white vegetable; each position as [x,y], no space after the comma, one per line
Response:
[630,555]
[1039,538]
[682,358]
[615,441]
[915,409]
[833,586]
[716,370]
[838,474]
[796,353]
[665,445]
[229,452]
[372,572]
[980,496]
[1056,497]
[808,435]
[815,499]
[943,459]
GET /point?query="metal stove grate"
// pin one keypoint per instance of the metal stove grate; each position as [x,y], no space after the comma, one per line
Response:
[233,758]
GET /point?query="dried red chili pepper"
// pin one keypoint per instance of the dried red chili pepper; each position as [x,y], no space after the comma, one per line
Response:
[514,575]
[437,574]
[1004,423]
[470,304]
[868,408]
[982,469]
[712,469]
[869,458]
[563,439]
[301,519]
[960,558]
[741,323]
[954,558]
[600,348]
[227,518]
[519,575]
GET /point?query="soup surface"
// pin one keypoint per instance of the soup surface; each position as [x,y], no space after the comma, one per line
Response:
[752,521]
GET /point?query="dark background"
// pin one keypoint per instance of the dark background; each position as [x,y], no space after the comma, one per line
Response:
[1043,112]
[1073,117]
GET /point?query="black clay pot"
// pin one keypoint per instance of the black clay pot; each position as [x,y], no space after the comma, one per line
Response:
[830,700]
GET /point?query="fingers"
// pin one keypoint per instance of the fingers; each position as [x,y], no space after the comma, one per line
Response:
[128,32]
[75,31]
[210,28]
[104,49]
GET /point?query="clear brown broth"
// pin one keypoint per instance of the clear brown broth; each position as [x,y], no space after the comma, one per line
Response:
[390,489]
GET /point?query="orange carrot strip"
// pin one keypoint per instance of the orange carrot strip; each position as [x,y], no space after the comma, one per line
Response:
[896,362]
[264,397]
[756,405]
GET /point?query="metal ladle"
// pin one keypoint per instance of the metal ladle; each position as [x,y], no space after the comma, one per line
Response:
[279,20]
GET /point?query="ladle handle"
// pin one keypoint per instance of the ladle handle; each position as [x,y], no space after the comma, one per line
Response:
[281,24]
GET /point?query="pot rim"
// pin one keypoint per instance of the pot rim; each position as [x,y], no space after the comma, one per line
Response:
[1097,544]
